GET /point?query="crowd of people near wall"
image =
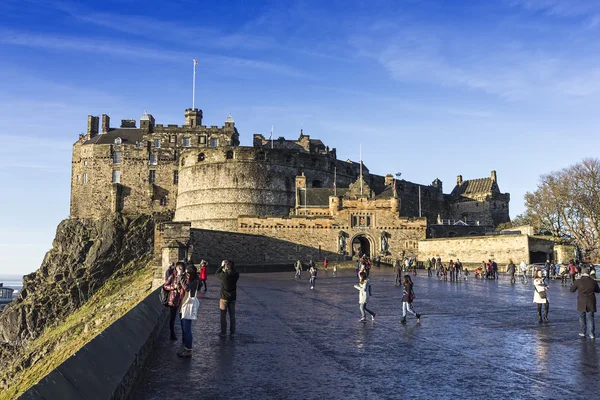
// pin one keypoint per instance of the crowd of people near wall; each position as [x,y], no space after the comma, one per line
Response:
[183,282]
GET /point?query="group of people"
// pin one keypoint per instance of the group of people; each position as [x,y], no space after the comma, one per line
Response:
[312,270]
[183,282]
[454,269]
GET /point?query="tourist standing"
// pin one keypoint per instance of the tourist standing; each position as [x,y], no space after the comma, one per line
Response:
[313,275]
[547,268]
[586,303]
[511,268]
[540,296]
[334,270]
[364,292]
[459,268]
[429,267]
[203,274]
[229,277]
[466,274]
[408,296]
[173,286]
[190,288]
[325,263]
[397,273]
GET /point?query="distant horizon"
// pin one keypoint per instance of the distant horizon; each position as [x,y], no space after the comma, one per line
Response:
[430,89]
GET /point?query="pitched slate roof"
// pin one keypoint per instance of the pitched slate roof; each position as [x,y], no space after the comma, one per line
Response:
[475,186]
[128,135]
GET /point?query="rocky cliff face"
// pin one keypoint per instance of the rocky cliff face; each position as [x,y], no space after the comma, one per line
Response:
[84,255]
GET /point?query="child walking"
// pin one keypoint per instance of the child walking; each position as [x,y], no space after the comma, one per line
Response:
[364,292]
[466,274]
[407,300]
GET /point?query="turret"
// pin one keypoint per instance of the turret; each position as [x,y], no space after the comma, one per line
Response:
[147,122]
[229,122]
[193,117]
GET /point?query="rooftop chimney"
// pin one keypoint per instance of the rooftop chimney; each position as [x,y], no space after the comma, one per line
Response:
[494,178]
[105,123]
[92,127]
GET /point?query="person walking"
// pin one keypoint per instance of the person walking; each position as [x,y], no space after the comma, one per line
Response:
[586,303]
[190,288]
[229,278]
[173,286]
[466,274]
[523,268]
[364,292]
[298,267]
[547,269]
[325,263]
[334,270]
[511,268]
[313,276]
[397,273]
[203,274]
[459,268]
[540,296]
[408,295]
[452,268]
[572,271]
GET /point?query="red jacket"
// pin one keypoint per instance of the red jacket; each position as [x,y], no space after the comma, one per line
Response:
[202,273]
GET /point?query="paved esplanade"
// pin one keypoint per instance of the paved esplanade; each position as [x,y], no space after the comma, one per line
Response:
[478,339]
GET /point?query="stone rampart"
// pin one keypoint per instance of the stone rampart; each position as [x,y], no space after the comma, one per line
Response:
[106,367]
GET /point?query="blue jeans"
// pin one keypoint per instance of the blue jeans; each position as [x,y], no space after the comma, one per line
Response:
[186,324]
[363,308]
[586,320]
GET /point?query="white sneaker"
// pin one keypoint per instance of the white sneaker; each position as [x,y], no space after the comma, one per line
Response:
[312,287]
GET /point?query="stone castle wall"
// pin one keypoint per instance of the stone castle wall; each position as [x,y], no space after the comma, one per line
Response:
[218,185]
[500,248]
[489,212]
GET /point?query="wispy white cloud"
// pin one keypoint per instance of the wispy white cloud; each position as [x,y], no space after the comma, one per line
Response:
[139,52]
[587,10]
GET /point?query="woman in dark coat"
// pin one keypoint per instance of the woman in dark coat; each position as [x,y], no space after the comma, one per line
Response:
[586,303]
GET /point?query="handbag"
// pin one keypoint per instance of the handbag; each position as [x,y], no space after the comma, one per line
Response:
[189,307]
[542,294]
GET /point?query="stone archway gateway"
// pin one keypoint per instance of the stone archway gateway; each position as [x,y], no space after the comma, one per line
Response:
[362,244]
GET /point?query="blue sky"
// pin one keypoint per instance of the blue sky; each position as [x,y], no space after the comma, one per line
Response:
[430,88]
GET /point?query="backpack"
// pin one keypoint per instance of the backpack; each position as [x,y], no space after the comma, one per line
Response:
[163,295]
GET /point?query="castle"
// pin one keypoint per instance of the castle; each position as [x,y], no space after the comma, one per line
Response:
[269,195]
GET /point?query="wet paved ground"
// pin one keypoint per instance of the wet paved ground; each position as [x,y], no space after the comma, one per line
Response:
[476,339]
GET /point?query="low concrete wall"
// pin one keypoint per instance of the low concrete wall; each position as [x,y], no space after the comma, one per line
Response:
[106,367]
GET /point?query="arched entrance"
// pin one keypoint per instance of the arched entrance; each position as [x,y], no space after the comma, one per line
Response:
[361,245]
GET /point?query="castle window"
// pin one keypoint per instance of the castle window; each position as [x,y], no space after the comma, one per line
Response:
[201,157]
[163,201]
[214,142]
[187,142]
[202,139]
[153,159]
[116,177]
[118,141]
[157,143]
[229,155]
[151,176]
[172,138]
[85,163]
[175,177]
[84,179]
[117,157]
[78,178]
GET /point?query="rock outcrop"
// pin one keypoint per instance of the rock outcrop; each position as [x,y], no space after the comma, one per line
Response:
[84,255]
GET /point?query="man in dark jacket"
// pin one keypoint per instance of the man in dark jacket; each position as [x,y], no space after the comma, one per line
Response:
[586,303]
[229,277]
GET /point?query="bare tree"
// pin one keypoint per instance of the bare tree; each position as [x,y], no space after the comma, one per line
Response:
[567,203]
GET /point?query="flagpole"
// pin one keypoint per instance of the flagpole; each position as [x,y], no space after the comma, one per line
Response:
[194,86]
[361,175]
[334,181]
[272,128]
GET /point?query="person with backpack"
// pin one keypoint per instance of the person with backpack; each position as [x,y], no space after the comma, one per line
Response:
[364,292]
[313,275]
[203,274]
[173,286]
[229,278]
[189,287]
[408,296]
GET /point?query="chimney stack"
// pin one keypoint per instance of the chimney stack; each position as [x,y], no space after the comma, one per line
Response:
[105,123]
[494,178]
[459,180]
[92,127]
